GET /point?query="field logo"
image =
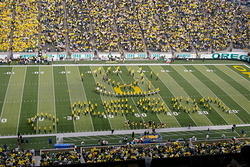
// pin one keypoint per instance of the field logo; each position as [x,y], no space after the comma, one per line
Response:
[121,89]
[243,70]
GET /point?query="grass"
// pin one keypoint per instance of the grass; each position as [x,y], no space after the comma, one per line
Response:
[166,136]
[46,89]
[38,143]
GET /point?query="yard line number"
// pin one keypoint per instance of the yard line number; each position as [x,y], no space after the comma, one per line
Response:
[9,73]
[3,120]
[38,72]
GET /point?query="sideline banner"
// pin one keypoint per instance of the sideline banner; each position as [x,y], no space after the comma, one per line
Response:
[106,56]
[56,55]
[241,55]
[2,56]
[158,55]
[228,56]
[74,55]
[139,55]
[185,55]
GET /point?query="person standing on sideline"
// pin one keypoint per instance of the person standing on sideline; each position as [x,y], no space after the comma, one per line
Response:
[82,76]
[133,135]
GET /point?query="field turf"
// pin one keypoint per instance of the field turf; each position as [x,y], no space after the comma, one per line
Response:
[29,90]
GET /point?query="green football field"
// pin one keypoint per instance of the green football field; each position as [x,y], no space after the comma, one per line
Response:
[39,99]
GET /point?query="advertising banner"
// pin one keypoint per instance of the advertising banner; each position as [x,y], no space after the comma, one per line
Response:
[2,56]
[158,55]
[241,55]
[228,56]
[139,55]
[185,55]
[106,56]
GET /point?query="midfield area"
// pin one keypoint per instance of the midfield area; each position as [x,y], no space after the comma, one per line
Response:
[47,99]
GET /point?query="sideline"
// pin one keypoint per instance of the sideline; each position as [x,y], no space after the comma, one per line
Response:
[122,132]
[136,64]
[247,65]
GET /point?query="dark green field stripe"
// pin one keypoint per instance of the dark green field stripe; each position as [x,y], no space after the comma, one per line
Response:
[129,79]
[239,72]
[29,103]
[166,94]
[243,115]
[213,116]
[62,101]
[245,92]
[89,85]
[4,81]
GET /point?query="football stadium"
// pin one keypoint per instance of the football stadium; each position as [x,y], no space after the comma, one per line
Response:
[125,83]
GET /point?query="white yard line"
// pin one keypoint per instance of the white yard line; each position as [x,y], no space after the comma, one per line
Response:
[87,99]
[214,95]
[5,95]
[101,97]
[113,97]
[38,99]
[132,99]
[71,102]
[173,95]
[53,87]
[164,103]
[20,108]
[136,131]
[247,65]
[226,92]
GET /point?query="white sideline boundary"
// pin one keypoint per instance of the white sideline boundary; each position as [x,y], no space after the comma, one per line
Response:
[136,131]
[247,66]
[133,64]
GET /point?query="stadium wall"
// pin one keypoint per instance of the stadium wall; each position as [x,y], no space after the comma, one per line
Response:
[238,55]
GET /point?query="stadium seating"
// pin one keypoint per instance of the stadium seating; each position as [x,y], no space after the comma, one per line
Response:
[120,153]
[15,157]
[139,25]
[60,158]
[169,150]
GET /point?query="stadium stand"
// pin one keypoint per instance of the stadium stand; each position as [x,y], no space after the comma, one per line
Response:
[61,158]
[138,25]
[175,153]
[168,150]
[15,157]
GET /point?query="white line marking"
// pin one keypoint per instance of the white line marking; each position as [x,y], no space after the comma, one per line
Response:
[102,99]
[132,99]
[90,117]
[172,91]
[164,103]
[54,99]
[205,86]
[71,102]
[5,95]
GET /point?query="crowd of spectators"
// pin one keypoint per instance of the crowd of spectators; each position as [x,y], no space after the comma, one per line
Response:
[103,153]
[168,150]
[15,157]
[60,158]
[122,25]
